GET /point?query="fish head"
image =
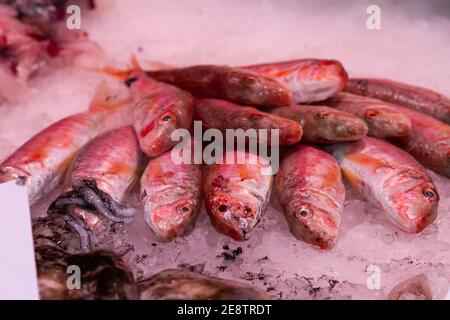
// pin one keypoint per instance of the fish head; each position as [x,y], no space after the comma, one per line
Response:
[169,218]
[312,224]
[155,136]
[387,122]
[415,208]
[234,216]
[254,87]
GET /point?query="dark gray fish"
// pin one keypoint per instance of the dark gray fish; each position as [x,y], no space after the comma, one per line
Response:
[175,284]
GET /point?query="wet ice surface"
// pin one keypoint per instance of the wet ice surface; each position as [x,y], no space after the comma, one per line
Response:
[412,46]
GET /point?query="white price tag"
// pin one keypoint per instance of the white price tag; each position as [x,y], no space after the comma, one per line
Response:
[18,277]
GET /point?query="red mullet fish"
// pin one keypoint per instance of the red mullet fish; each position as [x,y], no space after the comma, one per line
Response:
[222,115]
[312,195]
[412,97]
[324,125]
[309,80]
[383,120]
[390,178]
[41,162]
[236,193]
[223,82]
[98,181]
[171,194]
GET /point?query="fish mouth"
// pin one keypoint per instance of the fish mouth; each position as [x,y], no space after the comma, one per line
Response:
[79,207]
[171,220]
[313,225]
[421,210]
[235,219]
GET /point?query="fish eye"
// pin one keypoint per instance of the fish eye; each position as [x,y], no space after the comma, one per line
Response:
[222,208]
[166,117]
[430,194]
[184,208]
[303,212]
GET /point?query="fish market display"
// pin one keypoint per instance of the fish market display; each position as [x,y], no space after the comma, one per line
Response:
[171,194]
[41,162]
[428,142]
[309,80]
[383,120]
[103,276]
[412,97]
[323,124]
[390,178]
[33,37]
[98,181]
[223,82]
[175,284]
[312,195]
[159,109]
[236,194]
[225,115]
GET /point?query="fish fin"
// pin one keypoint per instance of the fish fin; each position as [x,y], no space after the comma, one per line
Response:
[109,95]
[153,65]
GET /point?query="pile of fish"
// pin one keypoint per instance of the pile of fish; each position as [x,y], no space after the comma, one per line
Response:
[378,135]
[33,37]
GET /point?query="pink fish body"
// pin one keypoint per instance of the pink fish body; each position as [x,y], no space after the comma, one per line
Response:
[159,109]
[391,178]
[309,80]
[171,194]
[312,195]
[236,195]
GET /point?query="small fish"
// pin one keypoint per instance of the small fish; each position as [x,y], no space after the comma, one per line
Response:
[159,109]
[309,80]
[412,97]
[171,194]
[41,162]
[428,142]
[390,178]
[173,284]
[312,195]
[223,82]
[236,193]
[97,183]
[324,125]
[383,120]
[103,276]
[224,115]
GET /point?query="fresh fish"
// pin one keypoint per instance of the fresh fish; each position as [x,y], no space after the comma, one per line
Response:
[223,82]
[391,178]
[382,118]
[236,193]
[309,80]
[412,97]
[171,194]
[98,181]
[224,115]
[312,195]
[159,109]
[324,125]
[428,142]
[175,284]
[41,162]
[103,276]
